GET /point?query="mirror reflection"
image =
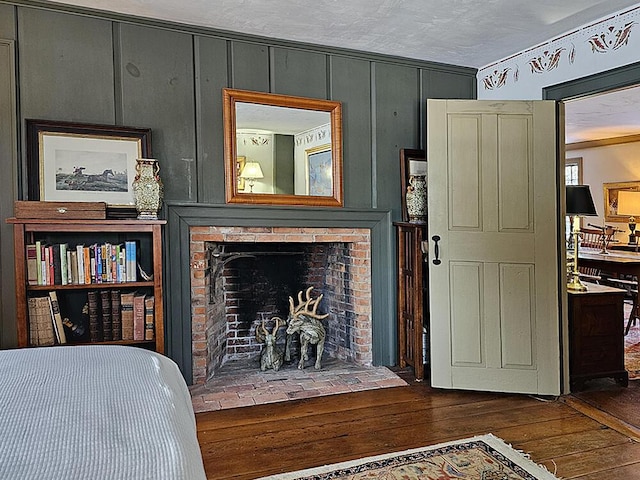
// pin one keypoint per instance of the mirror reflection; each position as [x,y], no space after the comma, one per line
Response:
[282,149]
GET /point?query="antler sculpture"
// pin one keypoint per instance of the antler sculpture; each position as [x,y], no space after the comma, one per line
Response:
[304,319]
[271,356]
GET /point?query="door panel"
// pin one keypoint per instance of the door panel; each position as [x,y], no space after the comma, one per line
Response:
[492,199]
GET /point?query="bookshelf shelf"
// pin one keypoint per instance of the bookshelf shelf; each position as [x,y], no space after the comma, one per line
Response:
[73,296]
[89,286]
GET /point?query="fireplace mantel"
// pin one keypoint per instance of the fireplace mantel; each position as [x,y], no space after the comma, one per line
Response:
[182,216]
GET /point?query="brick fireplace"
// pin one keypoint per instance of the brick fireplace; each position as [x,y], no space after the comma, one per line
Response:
[241,275]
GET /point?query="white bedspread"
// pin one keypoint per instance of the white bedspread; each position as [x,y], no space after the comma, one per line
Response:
[95,412]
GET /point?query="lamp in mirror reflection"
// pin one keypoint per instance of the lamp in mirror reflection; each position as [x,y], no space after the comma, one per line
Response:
[629,204]
[579,204]
[251,172]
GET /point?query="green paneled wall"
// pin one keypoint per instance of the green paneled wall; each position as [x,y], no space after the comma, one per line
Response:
[84,66]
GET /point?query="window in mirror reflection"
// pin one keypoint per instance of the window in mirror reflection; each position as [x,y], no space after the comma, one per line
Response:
[294,153]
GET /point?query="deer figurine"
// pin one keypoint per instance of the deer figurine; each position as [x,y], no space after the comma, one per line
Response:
[271,356]
[304,320]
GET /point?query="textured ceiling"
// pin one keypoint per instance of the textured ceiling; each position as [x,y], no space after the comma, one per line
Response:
[471,33]
[609,115]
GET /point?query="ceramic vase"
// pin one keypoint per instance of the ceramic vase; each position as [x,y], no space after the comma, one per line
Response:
[147,188]
[416,199]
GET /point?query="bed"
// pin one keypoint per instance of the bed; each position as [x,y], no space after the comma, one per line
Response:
[95,412]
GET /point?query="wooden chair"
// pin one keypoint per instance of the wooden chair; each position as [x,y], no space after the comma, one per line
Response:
[593,238]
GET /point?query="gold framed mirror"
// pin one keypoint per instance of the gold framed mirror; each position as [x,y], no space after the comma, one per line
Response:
[282,150]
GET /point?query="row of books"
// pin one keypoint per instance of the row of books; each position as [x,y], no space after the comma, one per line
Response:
[60,264]
[107,315]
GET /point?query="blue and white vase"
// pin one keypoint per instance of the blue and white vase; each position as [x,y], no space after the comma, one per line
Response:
[416,199]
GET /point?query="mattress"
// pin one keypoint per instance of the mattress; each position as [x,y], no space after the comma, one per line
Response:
[95,412]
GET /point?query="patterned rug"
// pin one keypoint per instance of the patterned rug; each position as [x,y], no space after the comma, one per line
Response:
[484,457]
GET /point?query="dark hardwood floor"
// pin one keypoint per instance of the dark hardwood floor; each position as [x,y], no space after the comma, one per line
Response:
[572,436]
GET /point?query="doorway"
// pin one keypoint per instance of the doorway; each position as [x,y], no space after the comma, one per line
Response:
[599,93]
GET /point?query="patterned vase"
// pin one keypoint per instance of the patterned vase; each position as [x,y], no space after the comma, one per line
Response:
[416,199]
[147,189]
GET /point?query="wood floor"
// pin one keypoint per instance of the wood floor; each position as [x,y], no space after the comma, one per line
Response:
[250,442]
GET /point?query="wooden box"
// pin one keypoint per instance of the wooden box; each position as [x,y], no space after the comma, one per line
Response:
[60,210]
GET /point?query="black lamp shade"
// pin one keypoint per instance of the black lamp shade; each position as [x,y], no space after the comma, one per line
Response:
[579,201]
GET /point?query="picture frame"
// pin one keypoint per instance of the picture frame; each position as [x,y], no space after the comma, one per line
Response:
[611,200]
[75,162]
[412,162]
[319,173]
[240,162]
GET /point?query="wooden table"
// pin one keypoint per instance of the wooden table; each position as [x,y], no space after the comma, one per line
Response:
[616,262]
[596,335]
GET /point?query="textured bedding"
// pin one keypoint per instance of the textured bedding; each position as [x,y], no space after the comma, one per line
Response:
[95,412]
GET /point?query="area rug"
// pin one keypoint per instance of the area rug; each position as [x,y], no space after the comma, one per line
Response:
[484,457]
[632,347]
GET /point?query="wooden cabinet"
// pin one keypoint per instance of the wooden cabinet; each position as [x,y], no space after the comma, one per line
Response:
[596,329]
[73,296]
[412,296]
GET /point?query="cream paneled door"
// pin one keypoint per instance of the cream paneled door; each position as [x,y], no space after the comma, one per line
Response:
[493,273]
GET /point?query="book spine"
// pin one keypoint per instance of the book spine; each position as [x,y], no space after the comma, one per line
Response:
[33,324]
[57,265]
[138,316]
[98,253]
[107,333]
[64,279]
[39,261]
[87,265]
[32,264]
[116,315]
[149,317]
[95,331]
[57,317]
[80,265]
[44,322]
[73,267]
[126,313]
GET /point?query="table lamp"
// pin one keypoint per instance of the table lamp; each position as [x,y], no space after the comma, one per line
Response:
[629,204]
[251,172]
[579,204]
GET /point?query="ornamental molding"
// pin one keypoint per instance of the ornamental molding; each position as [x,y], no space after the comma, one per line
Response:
[607,36]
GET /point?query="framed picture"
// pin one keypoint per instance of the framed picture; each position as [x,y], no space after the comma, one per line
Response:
[611,200]
[412,162]
[319,171]
[73,162]
[240,161]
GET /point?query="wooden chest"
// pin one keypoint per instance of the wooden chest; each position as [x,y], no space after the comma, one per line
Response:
[60,210]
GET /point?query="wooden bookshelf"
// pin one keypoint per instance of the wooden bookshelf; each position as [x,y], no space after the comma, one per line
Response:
[147,233]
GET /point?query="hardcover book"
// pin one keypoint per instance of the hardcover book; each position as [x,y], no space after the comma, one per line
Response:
[57,318]
[116,315]
[126,313]
[149,318]
[105,304]
[138,316]
[95,330]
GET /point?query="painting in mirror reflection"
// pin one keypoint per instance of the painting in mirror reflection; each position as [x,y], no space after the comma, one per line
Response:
[292,146]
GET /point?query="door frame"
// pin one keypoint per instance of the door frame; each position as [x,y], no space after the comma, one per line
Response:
[621,77]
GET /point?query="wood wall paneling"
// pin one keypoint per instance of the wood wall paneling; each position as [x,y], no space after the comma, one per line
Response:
[397,102]
[8,190]
[298,72]
[350,83]
[249,66]
[211,77]
[66,67]
[7,22]
[105,68]
[158,92]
